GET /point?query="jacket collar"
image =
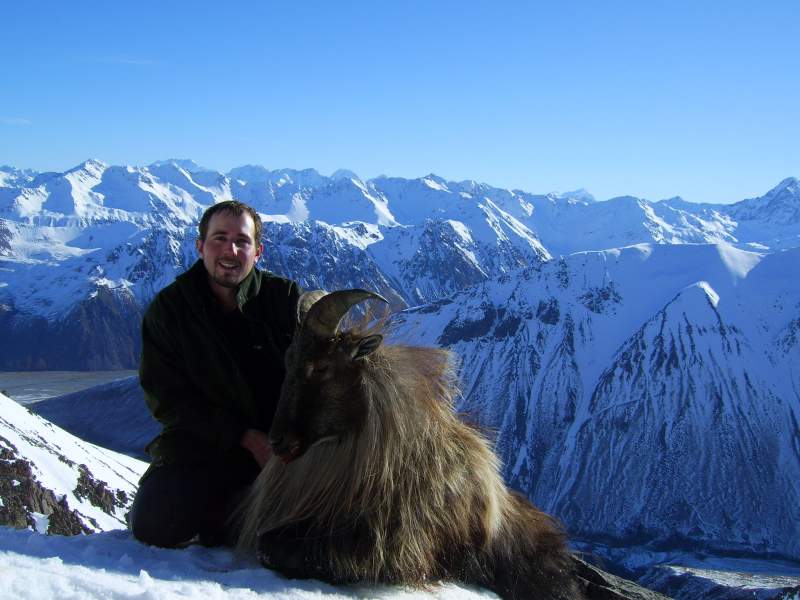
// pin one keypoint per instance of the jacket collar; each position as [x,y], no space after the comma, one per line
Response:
[196,289]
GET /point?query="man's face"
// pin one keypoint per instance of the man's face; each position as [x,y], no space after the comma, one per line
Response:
[230,249]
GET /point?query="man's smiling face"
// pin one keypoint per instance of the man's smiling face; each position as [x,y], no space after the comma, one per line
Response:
[229,250]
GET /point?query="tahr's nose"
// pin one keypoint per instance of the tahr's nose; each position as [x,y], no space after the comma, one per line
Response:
[285,446]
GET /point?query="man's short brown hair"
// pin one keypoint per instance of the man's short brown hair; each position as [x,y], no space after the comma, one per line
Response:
[235,208]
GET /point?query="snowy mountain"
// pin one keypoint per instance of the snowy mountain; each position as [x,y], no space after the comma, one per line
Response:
[644,395]
[93,245]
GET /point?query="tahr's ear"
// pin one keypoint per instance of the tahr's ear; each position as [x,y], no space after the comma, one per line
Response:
[366,346]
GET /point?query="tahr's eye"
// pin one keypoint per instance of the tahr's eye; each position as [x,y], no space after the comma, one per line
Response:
[316,369]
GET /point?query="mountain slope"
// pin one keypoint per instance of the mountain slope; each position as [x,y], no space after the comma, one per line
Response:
[54,482]
[631,395]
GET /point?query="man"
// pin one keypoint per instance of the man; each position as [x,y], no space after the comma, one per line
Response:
[212,366]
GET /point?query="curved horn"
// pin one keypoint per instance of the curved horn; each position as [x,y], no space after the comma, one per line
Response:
[324,316]
[306,301]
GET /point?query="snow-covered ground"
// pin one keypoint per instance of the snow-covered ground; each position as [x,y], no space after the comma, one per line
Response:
[114,566]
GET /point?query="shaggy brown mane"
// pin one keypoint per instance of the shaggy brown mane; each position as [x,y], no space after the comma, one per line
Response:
[414,496]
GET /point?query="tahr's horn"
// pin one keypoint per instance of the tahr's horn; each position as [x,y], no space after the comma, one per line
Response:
[306,301]
[324,316]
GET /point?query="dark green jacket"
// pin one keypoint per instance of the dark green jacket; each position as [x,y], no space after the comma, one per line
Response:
[190,378]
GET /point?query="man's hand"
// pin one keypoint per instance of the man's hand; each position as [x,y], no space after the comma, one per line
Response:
[257,442]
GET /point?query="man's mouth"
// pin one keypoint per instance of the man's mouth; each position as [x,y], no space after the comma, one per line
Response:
[229,265]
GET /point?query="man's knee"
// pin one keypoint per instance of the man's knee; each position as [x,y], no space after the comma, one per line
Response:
[175,503]
[166,509]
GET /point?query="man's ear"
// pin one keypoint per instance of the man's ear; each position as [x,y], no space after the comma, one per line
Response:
[198,243]
[366,346]
[259,251]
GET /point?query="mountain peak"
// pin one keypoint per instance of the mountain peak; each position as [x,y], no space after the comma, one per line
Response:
[344,174]
[696,302]
[93,166]
[435,182]
[790,185]
[186,164]
[579,195]
[250,173]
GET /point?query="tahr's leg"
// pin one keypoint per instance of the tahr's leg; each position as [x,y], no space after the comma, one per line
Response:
[294,553]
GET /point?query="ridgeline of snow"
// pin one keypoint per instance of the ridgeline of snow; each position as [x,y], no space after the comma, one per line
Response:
[65,237]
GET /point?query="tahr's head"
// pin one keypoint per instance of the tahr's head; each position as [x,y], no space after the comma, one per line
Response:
[322,397]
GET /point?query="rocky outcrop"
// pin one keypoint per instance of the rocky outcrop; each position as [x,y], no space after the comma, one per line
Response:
[600,585]
[22,496]
[97,492]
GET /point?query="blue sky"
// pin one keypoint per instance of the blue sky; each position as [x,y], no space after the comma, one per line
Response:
[653,99]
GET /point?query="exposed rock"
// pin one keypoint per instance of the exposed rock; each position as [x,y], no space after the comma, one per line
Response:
[458,331]
[23,495]
[97,493]
[548,312]
[598,299]
[600,585]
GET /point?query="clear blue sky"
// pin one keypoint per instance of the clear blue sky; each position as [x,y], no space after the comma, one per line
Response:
[653,99]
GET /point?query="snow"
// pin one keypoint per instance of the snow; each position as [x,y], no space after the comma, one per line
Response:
[114,566]
[739,580]
[739,262]
[41,522]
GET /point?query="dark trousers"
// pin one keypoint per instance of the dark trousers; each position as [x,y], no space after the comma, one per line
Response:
[177,502]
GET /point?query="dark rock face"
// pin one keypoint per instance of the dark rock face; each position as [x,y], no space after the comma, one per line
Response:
[22,495]
[102,332]
[5,239]
[547,312]
[458,331]
[97,493]
[315,257]
[598,300]
[600,585]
